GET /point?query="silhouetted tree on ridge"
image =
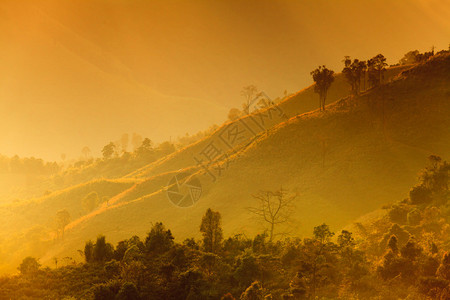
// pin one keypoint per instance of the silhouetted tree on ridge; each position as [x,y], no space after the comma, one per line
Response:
[376,67]
[353,71]
[323,77]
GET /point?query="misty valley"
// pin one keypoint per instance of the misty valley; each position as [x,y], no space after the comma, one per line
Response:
[152,150]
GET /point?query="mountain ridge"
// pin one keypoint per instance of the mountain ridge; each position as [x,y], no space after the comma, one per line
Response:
[314,146]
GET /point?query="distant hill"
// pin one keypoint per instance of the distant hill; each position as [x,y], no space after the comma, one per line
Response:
[360,153]
[375,145]
[301,102]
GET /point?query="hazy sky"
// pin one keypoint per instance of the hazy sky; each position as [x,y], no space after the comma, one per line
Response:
[77,73]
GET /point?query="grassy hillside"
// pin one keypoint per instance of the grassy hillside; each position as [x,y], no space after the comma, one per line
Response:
[303,101]
[362,152]
[30,226]
[37,211]
[400,252]
[144,167]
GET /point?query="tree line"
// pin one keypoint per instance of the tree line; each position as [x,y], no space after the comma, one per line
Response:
[359,73]
[27,165]
[403,255]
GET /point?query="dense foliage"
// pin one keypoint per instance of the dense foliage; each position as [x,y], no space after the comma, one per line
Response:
[401,255]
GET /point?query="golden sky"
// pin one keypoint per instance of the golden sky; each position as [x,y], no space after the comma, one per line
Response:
[82,72]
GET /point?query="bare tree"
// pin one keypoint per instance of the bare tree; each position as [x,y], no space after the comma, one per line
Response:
[274,208]
[249,93]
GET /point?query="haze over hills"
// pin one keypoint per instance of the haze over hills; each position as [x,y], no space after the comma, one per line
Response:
[359,147]
[96,85]
[82,73]
[210,149]
[301,102]
[360,153]
[24,186]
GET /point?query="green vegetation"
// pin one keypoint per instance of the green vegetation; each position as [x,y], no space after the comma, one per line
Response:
[363,151]
[415,56]
[323,78]
[27,165]
[395,256]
